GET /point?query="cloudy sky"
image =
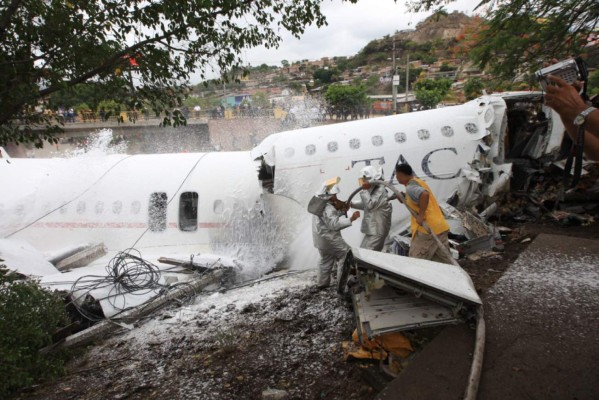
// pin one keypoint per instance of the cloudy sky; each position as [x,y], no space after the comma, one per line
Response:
[350,27]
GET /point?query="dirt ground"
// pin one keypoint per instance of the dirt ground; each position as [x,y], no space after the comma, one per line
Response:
[290,340]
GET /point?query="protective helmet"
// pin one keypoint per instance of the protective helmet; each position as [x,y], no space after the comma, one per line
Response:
[329,187]
[371,173]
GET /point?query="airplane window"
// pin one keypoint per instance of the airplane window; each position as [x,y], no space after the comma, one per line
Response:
[423,134]
[117,207]
[289,152]
[218,207]
[135,207]
[377,140]
[447,131]
[188,211]
[157,211]
[400,137]
[332,146]
[354,144]
[471,128]
[99,207]
[310,149]
[81,207]
[64,209]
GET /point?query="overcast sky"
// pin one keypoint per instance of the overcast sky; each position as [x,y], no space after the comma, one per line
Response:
[350,27]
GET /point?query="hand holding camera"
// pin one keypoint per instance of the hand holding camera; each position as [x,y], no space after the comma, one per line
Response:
[564,98]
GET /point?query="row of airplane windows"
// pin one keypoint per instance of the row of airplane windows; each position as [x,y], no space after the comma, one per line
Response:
[377,140]
[157,206]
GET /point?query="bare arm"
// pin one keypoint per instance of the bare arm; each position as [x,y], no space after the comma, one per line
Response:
[591,142]
[422,204]
[566,101]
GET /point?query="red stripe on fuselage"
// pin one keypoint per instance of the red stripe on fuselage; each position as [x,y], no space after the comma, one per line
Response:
[115,225]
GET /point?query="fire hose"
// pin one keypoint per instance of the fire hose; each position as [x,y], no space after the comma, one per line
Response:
[479,344]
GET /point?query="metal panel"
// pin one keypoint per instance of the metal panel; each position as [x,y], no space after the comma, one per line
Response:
[444,278]
[388,310]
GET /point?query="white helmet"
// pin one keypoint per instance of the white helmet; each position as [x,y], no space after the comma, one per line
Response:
[329,188]
[371,173]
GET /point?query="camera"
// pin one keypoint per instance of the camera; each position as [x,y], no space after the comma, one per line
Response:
[568,70]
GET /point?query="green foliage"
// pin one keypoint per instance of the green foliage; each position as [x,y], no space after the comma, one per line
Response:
[326,75]
[89,93]
[413,76]
[285,63]
[81,107]
[142,52]
[342,63]
[29,315]
[446,68]
[520,35]
[593,83]
[260,99]
[473,88]
[431,92]
[372,82]
[341,96]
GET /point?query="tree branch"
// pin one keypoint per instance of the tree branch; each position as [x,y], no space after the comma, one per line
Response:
[5,18]
[107,63]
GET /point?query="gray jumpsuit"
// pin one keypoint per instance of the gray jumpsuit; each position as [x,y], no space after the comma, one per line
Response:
[326,233]
[377,217]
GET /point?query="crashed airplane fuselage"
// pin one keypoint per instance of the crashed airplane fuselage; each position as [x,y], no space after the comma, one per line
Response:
[186,201]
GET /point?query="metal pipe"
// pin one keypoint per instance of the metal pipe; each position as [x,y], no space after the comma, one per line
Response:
[477,357]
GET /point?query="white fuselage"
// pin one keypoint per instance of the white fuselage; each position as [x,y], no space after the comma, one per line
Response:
[119,199]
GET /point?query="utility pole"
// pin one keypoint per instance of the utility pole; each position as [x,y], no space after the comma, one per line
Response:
[395,81]
[407,78]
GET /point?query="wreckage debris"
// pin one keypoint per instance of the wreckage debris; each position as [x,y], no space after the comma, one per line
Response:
[132,289]
[542,196]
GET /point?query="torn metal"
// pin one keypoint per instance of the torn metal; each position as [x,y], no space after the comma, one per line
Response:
[393,293]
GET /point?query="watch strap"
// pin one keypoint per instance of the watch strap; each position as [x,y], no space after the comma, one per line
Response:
[581,118]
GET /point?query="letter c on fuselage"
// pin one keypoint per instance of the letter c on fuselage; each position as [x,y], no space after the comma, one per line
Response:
[426,161]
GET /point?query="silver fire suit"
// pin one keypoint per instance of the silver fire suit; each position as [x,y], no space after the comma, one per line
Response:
[377,217]
[326,233]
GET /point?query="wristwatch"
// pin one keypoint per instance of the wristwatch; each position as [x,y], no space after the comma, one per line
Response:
[580,118]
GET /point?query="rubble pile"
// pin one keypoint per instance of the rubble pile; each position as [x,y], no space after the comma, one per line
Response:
[276,339]
[542,197]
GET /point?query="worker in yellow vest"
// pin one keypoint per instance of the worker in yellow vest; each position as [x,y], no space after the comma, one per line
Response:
[421,200]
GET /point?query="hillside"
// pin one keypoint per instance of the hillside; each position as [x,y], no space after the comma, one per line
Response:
[445,27]
[430,47]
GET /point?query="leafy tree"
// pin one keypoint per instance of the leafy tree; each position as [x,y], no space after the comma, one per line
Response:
[342,63]
[521,34]
[89,93]
[140,51]
[414,74]
[285,63]
[30,316]
[473,88]
[347,99]
[430,92]
[326,75]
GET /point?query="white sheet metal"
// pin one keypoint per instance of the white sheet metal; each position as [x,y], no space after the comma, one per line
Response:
[447,278]
[388,310]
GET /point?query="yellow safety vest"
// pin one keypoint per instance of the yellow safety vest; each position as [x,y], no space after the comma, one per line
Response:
[433,216]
